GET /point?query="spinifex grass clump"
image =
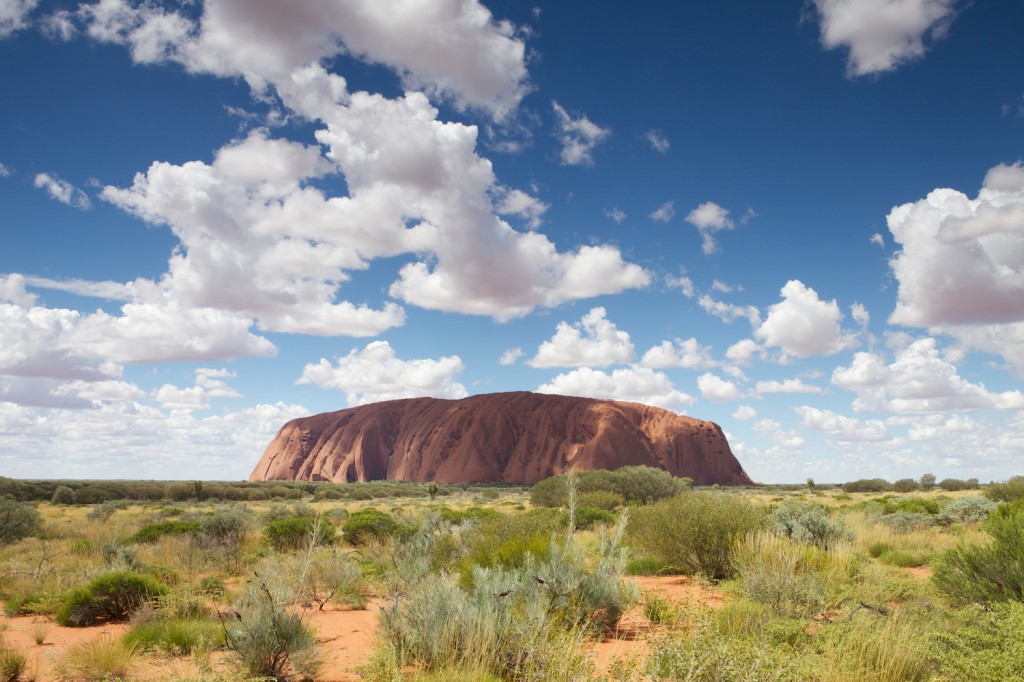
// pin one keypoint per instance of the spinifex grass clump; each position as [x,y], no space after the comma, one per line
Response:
[788,577]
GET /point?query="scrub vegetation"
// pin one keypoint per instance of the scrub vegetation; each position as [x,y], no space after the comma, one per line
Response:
[912,580]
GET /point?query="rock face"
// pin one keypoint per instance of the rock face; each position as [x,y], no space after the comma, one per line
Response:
[498,437]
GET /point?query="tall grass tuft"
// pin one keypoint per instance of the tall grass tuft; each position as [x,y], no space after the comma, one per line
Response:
[102,658]
[870,648]
[784,575]
[12,663]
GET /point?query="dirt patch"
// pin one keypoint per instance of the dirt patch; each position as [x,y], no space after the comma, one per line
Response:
[921,572]
[629,643]
[19,634]
[346,641]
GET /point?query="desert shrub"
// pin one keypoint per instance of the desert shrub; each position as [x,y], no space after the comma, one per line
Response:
[17,521]
[782,574]
[905,485]
[12,664]
[100,658]
[809,523]
[225,527]
[915,505]
[967,510]
[331,575]
[176,636]
[506,539]
[867,485]
[294,532]
[608,500]
[266,638]
[955,484]
[63,495]
[694,532]
[877,549]
[102,512]
[112,596]
[370,524]
[153,532]
[902,522]
[1010,490]
[636,484]
[120,556]
[587,517]
[984,647]
[987,573]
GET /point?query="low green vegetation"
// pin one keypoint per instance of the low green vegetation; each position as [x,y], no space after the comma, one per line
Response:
[918,579]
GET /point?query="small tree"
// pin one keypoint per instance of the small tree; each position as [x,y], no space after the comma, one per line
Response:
[63,495]
[927,481]
[810,484]
[905,485]
[17,521]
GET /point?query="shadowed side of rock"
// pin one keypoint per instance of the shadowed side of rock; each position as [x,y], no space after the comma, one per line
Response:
[500,437]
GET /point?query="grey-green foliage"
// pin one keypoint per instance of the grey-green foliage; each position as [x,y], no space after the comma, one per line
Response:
[810,524]
[267,638]
[636,484]
[967,510]
[17,521]
[782,574]
[987,573]
[63,495]
[694,532]
[906,522]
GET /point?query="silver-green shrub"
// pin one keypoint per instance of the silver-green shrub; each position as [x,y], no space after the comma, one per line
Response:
[810,524]
[967,510]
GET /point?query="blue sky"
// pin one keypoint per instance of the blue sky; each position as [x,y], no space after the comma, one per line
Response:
[801,220]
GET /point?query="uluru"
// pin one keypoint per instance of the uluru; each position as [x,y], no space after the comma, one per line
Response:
[515,437]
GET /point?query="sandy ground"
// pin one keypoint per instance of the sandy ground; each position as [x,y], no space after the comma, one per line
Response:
[346,637]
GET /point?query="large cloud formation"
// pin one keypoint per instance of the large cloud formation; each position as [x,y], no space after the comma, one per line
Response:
[960,265]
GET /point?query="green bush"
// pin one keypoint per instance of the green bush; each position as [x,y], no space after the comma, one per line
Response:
[587,517]
[967,510]
[109,597]
[905,485]
[608,500]
[985,646]
[507,541]
[809,523]
[295,532]
[370,524]
[867,485]
[63,495]
[636,484]
[1008,491]
[987,573]
[17,521]
[785,576]
[694,532]
[955,484]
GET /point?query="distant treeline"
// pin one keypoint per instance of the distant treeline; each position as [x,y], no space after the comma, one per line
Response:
[96,492]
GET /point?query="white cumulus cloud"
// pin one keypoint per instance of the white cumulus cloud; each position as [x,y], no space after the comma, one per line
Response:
[803,325]
[710,218]
[664,213]
[594,341]
[14,15]
[685,353]
[717,389]
[882,34]
[628,384]
[376,373]
[787,386]
[918,380]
